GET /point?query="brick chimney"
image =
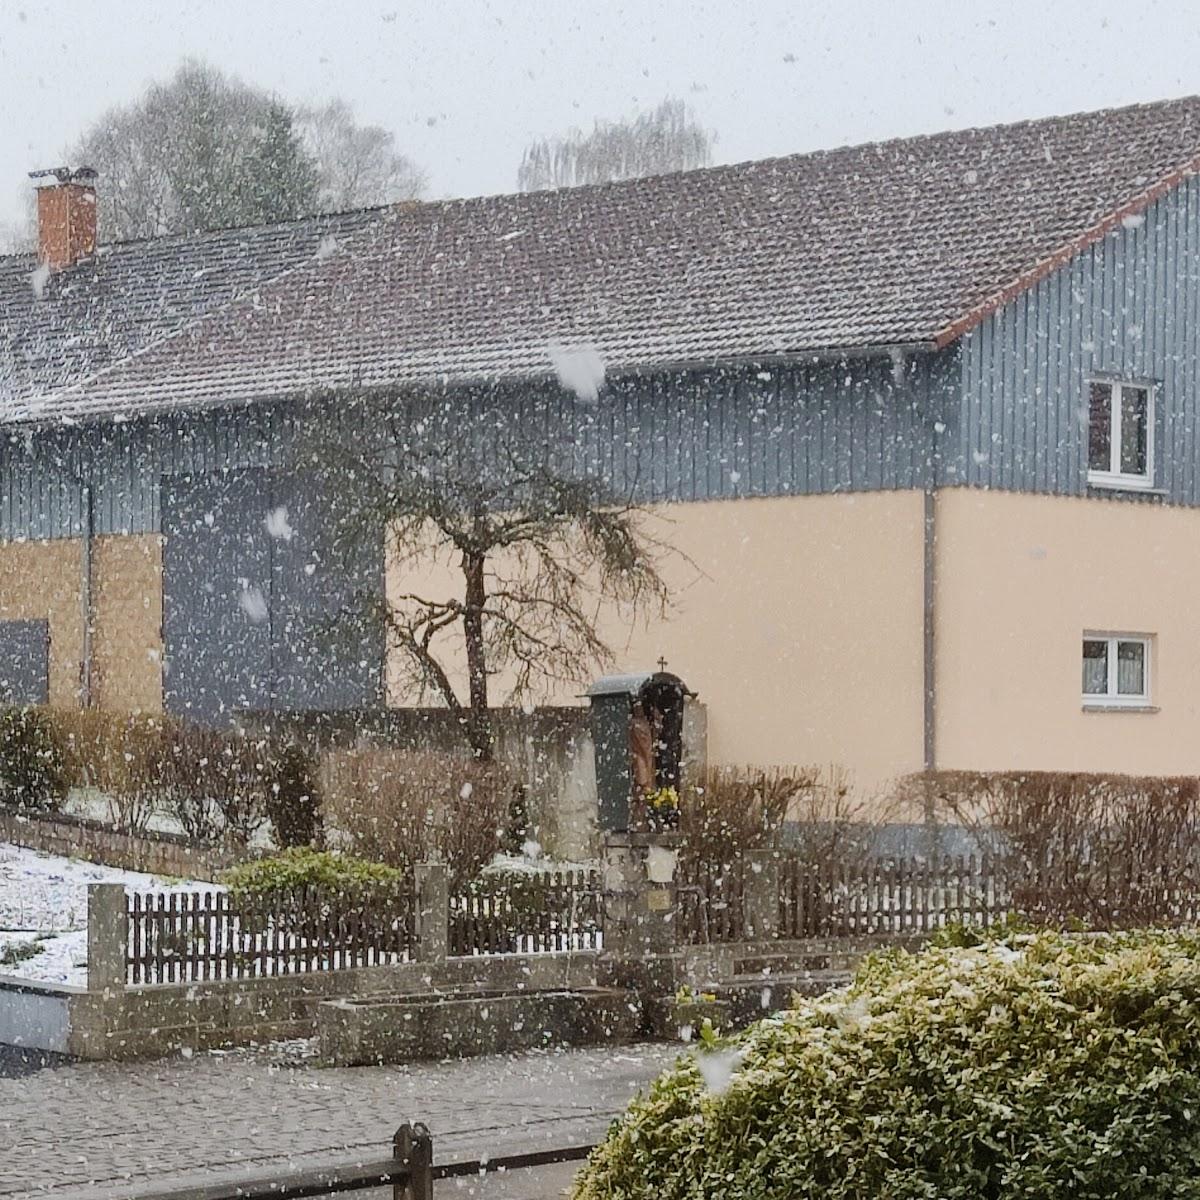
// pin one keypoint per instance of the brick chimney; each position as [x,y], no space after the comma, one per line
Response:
[66,209]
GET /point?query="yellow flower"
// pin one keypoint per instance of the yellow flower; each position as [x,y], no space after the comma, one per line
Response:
[663,798]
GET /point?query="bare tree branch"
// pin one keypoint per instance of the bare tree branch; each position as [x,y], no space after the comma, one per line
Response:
[538,554]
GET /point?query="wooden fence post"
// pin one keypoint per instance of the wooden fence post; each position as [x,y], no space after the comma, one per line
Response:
[761,895]
[107,937]
[413,1148]
[432,887]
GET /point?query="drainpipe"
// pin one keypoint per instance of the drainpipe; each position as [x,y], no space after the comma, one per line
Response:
[929,574]
[87,608]
[933,459]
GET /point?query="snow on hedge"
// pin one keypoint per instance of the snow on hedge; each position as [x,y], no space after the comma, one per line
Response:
[1042,1066]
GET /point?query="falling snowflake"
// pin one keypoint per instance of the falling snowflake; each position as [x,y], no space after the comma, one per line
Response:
[277,524]
[580,369]
[253,604]
[327,246]
[718,1067]
[39,279]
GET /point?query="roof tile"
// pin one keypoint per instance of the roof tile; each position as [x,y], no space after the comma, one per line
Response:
[883,244]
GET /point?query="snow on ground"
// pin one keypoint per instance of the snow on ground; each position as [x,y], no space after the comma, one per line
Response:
[95,806]
[532,861]
[43,904]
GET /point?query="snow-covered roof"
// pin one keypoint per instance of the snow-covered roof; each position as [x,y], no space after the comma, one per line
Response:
[899,243]
[620,685]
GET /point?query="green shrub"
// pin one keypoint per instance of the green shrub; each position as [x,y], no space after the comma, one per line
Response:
[292,797]
[294,870]
[32,774]
[1046,1067]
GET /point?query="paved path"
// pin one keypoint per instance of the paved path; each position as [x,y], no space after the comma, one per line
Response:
[533,1183]
[107,1131]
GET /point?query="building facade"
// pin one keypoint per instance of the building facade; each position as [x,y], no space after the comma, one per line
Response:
[950,522]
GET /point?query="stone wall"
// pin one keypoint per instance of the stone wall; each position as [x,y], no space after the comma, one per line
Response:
[154,853]
[36,1016]
[147,1022]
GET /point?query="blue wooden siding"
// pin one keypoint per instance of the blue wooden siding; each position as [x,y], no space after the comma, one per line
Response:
[780,430]
[1126,307]
[1004,408]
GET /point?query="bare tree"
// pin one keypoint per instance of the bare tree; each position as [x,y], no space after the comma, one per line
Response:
[536,553]
[203,150]
[667,138]
[358,165]
[183,157]
[17,237]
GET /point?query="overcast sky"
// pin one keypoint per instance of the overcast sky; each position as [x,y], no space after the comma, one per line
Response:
[465,85]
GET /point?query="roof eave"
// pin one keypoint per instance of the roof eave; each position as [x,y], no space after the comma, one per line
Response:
[1077,245]
[493,378]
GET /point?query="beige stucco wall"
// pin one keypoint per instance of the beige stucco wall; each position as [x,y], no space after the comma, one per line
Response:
[1019,580]
[127,634]
[797,619]
[43,580]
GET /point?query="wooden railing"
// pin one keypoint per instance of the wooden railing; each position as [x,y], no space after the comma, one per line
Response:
[886,897]
[198,936]
[185,937]
[526,914]
[712,901]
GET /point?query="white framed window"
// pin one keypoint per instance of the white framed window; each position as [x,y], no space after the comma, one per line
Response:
[1116,669]
[1120,434]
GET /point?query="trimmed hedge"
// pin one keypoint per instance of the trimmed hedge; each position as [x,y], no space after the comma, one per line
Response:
[293,871]
[1045,1066]
[33,777]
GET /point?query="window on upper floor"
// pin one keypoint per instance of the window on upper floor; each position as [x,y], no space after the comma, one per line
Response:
[1120,434]
[1116,670]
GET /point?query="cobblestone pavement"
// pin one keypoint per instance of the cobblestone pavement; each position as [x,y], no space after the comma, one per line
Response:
[534,1183]
[109,1131]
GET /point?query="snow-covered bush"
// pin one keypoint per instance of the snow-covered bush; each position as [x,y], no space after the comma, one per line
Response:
[32,775]
[1046,1066]
[292,871]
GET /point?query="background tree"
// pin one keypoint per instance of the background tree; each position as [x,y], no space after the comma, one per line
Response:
[667,138]
[535,554]
[203,150]
[15,237]
[358,165]
[286,183]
